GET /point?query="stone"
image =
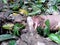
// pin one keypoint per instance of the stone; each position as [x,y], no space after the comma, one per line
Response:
[40,43]
[31,40]
[4,43]
[20,42]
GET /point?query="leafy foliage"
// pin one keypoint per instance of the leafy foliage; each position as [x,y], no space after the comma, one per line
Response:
[55,38]
[58,0]
[12,42]
[37,6]
[17,27]
[47,23]
[8,26]
[46,30]
[41,1]
[6,37]
[14,27]
[33,13]
[22,11]
[58,33]
[4,1]
[40,30]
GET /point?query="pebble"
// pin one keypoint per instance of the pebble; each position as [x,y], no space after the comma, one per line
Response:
[40,43]
[4,43]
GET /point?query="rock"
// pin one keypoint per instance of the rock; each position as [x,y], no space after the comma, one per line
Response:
[35,39]
[16,17]
[48,42]
[4,43]
[48,39]
[20,42]
[40,43]
[31,40]
[24,31]
[1,5]
[2,15]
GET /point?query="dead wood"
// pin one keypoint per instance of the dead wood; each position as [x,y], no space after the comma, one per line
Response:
[54,21]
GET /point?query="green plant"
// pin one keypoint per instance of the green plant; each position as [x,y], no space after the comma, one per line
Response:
[12,42]
[8,26]
[38,6]
[6,37]
[17,27]
[46,30]
[4,1]
[55,38]
[40,30]
[14,27]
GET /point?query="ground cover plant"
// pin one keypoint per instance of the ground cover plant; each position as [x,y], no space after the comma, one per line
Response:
[18,17]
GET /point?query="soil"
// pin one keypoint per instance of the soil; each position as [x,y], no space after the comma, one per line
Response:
[26,38]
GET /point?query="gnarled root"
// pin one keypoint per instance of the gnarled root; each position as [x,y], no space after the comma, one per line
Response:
[40,21]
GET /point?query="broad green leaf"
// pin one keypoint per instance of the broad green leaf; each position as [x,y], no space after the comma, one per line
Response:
[6,37]
[12,42]
[55,8]
[4,1]
[34,13]
[15,8]
[39,5]
[21,3]
[23,11]
[58,33]
[16,30]
[41,1]
[24,7]
[46,31]
[54,38]
[43,9]
[51,9]
[20,26]
[17,27]
[47,28]
[47,22]
[39,30]
[58,0]
[35,8]
[52,2]
[8,26]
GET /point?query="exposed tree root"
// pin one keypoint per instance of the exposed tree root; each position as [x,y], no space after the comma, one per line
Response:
[40,21]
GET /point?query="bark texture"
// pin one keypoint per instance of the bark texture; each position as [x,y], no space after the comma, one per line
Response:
[53,19]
